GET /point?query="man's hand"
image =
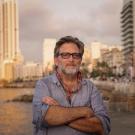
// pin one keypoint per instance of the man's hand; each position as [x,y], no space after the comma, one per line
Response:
[50,101]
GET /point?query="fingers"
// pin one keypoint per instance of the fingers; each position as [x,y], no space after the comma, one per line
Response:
[49,100]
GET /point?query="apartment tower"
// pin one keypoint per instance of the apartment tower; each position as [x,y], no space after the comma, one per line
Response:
[128,35]
[9,37]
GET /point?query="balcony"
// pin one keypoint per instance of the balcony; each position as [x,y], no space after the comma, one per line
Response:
[127,37]
[128,11]
[127,51]
[127,6]
[127,19]
[127,32]
[126,28]
[129,42]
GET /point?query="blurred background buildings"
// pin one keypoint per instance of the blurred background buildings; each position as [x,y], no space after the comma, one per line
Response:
[99,59]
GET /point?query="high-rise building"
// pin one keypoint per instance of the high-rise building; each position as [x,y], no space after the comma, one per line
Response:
[128,33]
[95,50]
[9,37]
[86,56]
[48,54]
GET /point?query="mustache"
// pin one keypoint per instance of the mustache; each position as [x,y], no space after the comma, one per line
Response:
[71,64]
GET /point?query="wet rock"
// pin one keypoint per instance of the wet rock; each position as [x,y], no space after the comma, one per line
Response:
[23,98]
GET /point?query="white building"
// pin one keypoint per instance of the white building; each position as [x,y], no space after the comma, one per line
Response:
[95,50]
[18,71]
[86,56]
[48,54]
[28,71]
[102,52]
[9,36]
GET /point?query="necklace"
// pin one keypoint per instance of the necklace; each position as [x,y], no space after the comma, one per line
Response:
[69,92]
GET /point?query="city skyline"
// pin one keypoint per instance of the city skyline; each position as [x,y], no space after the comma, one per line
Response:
[88,20]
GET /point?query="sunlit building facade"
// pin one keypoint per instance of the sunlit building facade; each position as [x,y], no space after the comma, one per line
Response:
[32,71]
[128,34]
[86,56]
[48,54]
[95,51]
[115,60]
[111,54]
[9,38]
[28,71]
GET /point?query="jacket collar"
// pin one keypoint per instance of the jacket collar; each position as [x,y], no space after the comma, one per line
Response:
[56,81]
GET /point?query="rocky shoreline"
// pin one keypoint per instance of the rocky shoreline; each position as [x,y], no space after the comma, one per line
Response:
[23,98]
[26,84]
[119,97]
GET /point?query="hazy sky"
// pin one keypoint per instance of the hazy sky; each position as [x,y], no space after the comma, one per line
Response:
[90,20]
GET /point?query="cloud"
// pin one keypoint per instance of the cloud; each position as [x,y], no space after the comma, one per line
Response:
[89,20]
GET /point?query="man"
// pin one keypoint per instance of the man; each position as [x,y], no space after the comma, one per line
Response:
[64,103]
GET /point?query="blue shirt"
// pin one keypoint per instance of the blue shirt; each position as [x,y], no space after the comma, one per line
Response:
[88,95]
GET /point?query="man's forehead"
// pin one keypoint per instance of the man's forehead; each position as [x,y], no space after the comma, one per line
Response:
[69,46]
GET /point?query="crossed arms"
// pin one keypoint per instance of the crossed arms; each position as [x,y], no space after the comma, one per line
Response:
[79,118]
[82,119]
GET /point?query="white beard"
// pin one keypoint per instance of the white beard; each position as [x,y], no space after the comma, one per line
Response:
[68,70]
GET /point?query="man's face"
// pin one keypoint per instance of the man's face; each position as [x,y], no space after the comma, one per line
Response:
[69,59]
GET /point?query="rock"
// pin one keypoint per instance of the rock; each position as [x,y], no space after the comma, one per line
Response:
[23,98]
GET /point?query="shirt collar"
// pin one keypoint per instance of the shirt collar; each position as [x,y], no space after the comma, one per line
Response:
[56,81]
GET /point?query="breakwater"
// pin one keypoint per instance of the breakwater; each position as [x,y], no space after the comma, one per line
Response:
[120,95]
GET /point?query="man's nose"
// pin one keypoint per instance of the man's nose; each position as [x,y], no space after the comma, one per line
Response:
[71,58]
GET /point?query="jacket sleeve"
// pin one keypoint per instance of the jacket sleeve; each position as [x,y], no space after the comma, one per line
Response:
[40,109]
[100,109]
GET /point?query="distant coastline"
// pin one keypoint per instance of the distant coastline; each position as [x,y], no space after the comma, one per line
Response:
[24,84]
[118,96]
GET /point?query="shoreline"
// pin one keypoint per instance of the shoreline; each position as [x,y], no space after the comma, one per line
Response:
[27,84]
[119,96]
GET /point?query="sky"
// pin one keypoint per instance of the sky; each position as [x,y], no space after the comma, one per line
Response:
[89,20]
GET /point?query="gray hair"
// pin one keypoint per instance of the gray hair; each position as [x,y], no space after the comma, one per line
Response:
[68,39]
